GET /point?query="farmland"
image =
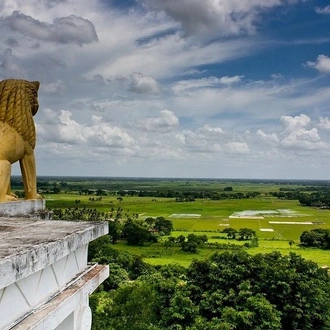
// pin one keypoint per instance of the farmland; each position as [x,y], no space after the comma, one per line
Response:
[275,220]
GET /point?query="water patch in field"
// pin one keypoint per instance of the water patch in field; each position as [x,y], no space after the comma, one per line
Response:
[185,215]
[291,222]
[261,214]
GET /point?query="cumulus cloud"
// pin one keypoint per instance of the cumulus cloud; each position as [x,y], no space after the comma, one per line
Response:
[292,124]
[209,131]
[104,134]
[69,130]
[325,10]
[209,140]
[295,135]
[234,17]
[64,129]
[197,142]
[237,147]
[324,123]
[271,138]
[143,84]
[167,121]
[322,64]
[64,30]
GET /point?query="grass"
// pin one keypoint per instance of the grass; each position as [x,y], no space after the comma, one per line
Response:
[157,254]
[215,216]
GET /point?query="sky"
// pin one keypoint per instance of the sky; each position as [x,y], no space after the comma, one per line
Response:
[175,88]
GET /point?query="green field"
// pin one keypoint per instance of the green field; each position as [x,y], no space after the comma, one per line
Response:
[275,221]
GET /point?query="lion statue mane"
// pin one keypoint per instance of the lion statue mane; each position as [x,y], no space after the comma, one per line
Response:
[18,105]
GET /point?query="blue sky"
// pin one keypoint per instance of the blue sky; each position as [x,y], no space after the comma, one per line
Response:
[175,88]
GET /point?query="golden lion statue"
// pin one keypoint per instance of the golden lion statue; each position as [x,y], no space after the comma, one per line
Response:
[18,105]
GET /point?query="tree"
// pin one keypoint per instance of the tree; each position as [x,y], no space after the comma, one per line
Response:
[136,234]
[193,242]
[246,233]
[133,306]
[101,304]
[230,290]
[100,192]
[117,276]
[298,289]
[180,239]
[315,238]
[163,226]
[231,232]
[115,230]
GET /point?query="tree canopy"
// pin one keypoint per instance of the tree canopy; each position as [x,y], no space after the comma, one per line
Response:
[230,290]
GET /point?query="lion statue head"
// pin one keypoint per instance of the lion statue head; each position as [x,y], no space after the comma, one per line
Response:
[18,105]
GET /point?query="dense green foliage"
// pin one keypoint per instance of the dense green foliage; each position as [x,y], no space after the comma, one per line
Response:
[319,238]
[231,290]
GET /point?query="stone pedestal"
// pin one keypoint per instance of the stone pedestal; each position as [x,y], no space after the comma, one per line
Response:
[45,280]
[23,208]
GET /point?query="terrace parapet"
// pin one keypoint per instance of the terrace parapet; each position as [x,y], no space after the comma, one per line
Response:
[45,280]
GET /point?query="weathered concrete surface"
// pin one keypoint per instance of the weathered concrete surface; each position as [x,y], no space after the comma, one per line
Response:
[45,280]
[27,245]
[54,313]
[22,208]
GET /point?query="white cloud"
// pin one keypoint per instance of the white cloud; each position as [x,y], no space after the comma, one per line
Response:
[69,130]
[64,30]
[207,140]
[325,10]
[63,129]
[55,87]
[209,131]
[237,148]
[167,121]
[296,123]
[208,82]
[230,80]
[295,135]
[209,17]
[324,123]
[143,84]
[271,138]
[322,64]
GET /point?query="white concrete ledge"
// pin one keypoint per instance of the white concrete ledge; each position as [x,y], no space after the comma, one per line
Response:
[45,280]
[52,313]
[27,246]
[22,208]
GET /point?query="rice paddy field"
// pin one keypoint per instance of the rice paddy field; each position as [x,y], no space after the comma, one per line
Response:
[276,221]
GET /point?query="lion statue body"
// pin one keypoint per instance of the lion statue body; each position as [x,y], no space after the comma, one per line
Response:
[18,105]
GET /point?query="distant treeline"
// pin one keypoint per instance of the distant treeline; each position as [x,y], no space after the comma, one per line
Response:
[189,195]
[311,195]
[308,196]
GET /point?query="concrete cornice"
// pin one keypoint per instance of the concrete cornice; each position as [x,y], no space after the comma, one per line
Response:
[27,245]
